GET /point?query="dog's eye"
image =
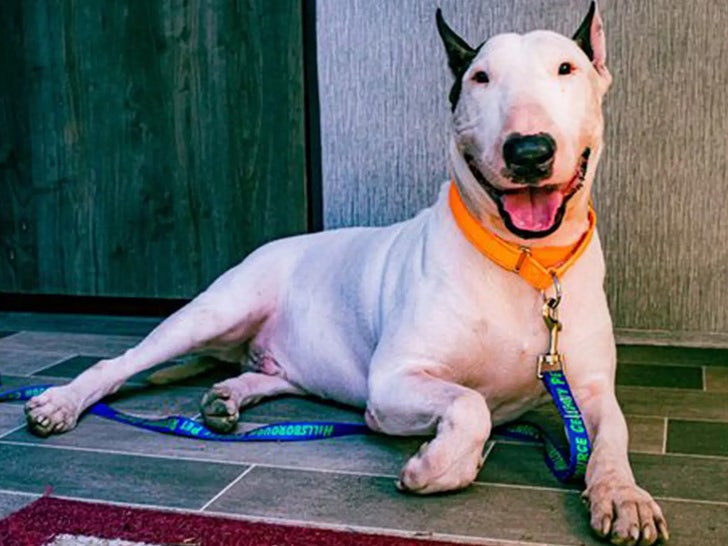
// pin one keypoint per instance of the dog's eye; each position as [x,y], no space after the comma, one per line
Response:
[481,77]
[565,69]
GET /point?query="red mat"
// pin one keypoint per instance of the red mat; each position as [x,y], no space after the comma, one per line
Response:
[38,523]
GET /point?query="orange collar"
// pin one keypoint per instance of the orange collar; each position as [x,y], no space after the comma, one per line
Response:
[535,265]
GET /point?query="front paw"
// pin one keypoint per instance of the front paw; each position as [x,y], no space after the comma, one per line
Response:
[437,468]
[625,513]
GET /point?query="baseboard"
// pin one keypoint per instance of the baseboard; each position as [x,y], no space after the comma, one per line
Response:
[630,336]
[89,305]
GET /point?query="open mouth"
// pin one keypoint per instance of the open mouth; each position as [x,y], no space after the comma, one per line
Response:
[532,212]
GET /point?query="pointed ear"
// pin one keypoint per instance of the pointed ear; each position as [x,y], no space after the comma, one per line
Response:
[459,53]
[590,38]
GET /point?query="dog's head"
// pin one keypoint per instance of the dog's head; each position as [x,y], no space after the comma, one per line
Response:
[527,124]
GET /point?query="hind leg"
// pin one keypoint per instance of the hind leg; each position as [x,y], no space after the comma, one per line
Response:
[220,406]
[222,315]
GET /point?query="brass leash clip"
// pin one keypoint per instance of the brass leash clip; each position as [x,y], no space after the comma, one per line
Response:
[552,361]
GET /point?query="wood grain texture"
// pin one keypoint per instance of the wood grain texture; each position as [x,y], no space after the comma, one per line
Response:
[661,192]
[17,244]
[147,146]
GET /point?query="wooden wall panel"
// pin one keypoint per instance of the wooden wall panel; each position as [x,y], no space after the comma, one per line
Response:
[17,243]
[662,189]
[146,146]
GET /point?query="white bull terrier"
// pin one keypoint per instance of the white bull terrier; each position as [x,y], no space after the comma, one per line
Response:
[422,322]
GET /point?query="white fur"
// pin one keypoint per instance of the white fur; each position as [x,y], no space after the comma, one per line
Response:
[410,321]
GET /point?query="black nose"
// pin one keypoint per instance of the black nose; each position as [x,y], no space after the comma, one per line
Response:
[529,157]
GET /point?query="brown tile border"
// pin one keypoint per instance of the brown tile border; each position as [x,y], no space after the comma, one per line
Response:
[716,379]
[646,434]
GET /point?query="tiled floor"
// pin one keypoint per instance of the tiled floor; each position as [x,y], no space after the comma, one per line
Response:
[676,402]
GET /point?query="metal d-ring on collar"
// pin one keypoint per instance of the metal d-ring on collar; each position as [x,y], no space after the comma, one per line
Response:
[557,291]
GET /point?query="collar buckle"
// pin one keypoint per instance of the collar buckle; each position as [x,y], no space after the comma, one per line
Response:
[525,254]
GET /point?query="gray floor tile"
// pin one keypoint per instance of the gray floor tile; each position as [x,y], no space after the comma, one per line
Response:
[160,401]
[519,464]
[375,454]
[507,463]
[673,403]
[296,407]
[693,524]
[649,354]
[495,512]
[697,437]
[682,477]
[25,362]
[691,478]
[656,375]
[368,454]
[11,417]
[483,510]
[96,433]
[81,324]
[111,477]
[10,503]
[92,344]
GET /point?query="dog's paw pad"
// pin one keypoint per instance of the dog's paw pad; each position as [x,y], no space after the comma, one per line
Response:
[219,410]
[53,411]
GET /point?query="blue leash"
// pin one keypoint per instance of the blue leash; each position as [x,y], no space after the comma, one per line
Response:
[566,466]
[179,425]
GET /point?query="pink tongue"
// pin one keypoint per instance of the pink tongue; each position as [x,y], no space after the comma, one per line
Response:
[533,209]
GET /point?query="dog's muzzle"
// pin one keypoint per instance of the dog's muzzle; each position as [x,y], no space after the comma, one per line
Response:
[533,211]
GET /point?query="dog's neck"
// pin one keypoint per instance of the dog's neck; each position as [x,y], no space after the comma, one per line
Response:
[480,206]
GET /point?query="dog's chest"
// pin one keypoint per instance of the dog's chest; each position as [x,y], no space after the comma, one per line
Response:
[501,359]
